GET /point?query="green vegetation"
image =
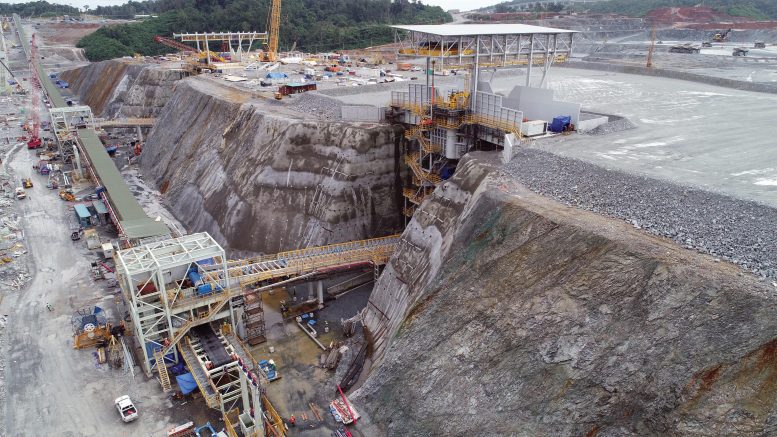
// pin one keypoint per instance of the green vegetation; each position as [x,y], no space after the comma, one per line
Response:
[755,9]
[37,9]
[314,25]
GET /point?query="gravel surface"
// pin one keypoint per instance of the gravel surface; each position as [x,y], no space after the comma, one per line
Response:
[735,230]
[617,125]
[317,104]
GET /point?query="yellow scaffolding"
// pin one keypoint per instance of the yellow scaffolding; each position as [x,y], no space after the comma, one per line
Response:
[411,159]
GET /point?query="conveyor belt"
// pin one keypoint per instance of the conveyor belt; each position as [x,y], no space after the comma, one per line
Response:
[212,345]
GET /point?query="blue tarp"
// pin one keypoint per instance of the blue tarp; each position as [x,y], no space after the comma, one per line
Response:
[560,123]
[276,75]
[152,347]
[206,262]
[186,383]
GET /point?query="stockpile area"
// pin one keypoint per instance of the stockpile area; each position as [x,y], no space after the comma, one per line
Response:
[724,227]
[544,319]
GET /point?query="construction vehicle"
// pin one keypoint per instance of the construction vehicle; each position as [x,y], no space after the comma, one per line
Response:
[26,182]
[20,193]
[759,45]
[706,44]
[721,36]
[67,196]
[684,48]
[126,408]
[274,27]
[740,51]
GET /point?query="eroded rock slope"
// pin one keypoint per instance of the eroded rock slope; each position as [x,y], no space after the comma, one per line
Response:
[122,88]
[505,313]
[262,178]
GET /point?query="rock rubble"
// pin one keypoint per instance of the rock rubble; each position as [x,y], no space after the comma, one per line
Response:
[727,228]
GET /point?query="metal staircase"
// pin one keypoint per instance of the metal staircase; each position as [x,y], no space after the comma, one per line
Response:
[215,308]
[164,377]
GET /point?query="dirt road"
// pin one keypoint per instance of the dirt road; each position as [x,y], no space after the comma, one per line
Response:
[53,389]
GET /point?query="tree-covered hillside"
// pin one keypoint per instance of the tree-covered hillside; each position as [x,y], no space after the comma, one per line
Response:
[37,9]
[315,25]
[756,9]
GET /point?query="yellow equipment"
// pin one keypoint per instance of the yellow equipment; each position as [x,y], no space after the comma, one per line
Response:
[67,196]
[92,336]
[274,28]
[721,36]
[27,183]
[213,56]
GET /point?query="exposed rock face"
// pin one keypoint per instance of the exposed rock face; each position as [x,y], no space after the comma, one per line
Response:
[121,88]
[261,178]
[505,313]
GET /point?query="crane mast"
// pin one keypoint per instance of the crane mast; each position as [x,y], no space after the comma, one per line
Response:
[275,27]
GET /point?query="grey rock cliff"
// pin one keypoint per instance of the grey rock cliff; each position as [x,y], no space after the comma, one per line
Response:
[533,318]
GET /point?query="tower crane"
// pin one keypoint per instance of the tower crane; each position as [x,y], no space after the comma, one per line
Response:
[274,28]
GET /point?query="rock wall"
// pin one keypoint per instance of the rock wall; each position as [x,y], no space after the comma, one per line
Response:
[505,313]
[263,178]
[122,88]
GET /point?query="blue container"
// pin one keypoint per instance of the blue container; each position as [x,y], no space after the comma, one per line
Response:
[560,123]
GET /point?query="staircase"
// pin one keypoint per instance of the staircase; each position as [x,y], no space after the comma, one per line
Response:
[164,377]
[184,329]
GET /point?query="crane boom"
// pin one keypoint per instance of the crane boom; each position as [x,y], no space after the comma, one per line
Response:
[275,27]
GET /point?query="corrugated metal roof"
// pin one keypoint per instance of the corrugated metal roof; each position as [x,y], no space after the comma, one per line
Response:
[99,206]
[82,211]
[481,29]
[131,216]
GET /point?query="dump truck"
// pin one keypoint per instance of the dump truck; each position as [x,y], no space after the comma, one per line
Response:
[20,193]
[759,45]
[740,51]
[684,48]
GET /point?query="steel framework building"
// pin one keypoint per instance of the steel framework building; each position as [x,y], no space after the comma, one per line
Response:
[238,43]
[445,127]
[478,46]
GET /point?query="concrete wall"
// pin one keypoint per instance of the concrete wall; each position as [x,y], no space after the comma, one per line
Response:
[538,104]
[362,113]
[680,75]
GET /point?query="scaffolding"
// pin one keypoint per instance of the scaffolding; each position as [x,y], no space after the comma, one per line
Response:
[441,129]
[183,295]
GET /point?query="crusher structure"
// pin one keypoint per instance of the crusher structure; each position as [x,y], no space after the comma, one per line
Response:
[442,126]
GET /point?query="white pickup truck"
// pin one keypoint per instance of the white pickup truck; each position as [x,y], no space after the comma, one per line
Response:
[126,408]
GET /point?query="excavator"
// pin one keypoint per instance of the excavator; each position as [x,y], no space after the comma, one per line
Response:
[721,36]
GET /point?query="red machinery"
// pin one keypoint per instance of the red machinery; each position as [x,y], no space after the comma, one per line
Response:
[174,44]
[35,141]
